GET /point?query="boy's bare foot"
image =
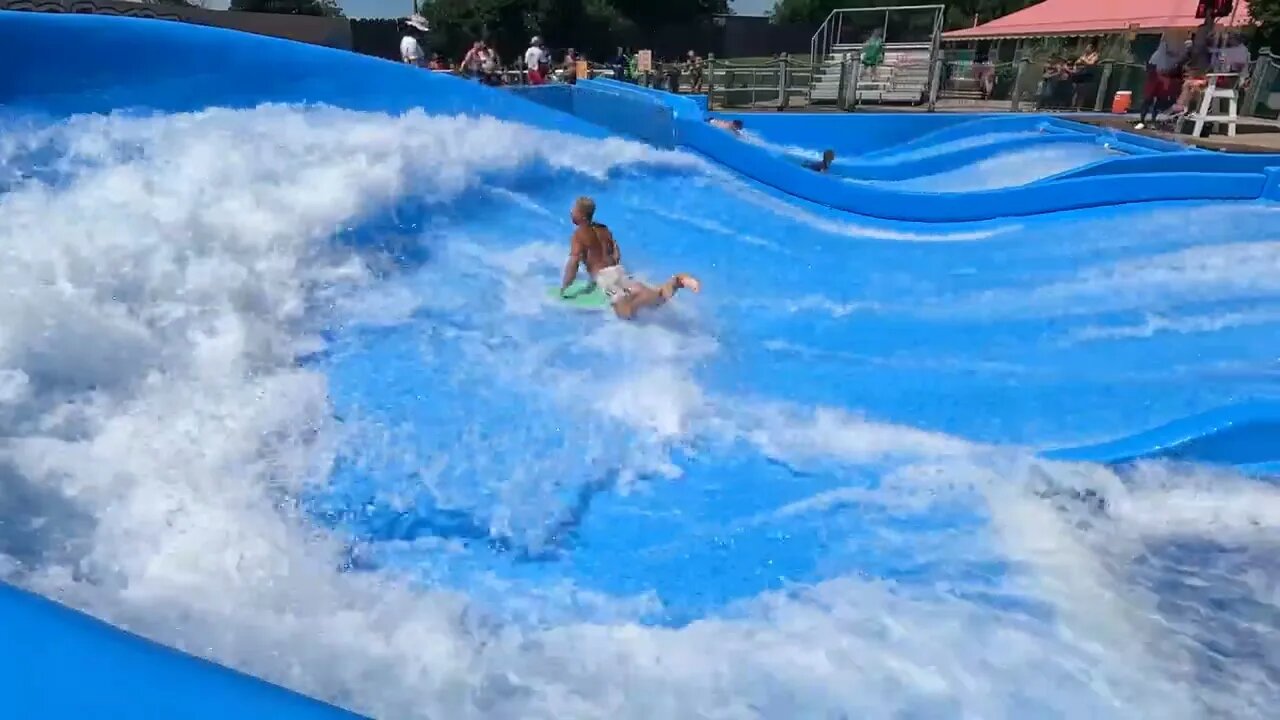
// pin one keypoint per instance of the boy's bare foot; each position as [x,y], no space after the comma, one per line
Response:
[688,282]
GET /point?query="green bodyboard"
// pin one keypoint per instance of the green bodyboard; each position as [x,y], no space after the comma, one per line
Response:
[580,295]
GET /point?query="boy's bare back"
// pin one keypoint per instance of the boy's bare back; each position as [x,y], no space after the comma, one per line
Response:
[596,247]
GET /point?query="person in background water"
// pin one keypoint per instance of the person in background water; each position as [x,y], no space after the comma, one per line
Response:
[593,245]
[823,165]
[733,126]
[411,52]
[535,61]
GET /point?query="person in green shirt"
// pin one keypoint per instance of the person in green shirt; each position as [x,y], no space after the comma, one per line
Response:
[873,50]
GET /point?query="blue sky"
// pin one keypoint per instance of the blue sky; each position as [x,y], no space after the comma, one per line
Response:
[753,7]
[400,8]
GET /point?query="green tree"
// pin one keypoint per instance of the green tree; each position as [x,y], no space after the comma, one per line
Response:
[593,26]
[323,8]
[649,14]
[1265,15]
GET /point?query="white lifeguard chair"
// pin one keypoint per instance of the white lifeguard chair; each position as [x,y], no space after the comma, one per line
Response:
[1212,96]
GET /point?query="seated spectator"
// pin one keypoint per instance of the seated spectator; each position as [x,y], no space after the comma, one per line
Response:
[1232,58]
[823,165]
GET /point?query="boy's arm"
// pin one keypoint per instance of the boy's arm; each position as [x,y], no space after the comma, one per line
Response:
[575,258]
[615,252]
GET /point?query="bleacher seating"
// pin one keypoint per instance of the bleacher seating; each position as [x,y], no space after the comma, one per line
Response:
[902,77]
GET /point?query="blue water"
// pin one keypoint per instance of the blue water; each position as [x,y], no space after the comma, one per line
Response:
[282,386]
[765,435]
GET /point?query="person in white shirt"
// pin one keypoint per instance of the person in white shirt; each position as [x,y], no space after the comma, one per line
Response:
[535,62]
[411,51]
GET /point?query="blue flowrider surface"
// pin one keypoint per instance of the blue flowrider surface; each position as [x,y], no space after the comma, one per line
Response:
[981,423]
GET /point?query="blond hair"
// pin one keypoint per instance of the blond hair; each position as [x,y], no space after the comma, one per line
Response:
[586,207]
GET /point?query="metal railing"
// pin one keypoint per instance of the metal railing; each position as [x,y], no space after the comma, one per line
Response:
[773,84]
[1018,86]
[831,32]
[1022,85]
[1262,88]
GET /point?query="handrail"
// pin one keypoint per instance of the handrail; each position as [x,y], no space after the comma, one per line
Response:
[1262,77]
[824,29]
[820,45]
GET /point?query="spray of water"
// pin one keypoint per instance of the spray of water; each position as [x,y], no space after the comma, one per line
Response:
[189,303]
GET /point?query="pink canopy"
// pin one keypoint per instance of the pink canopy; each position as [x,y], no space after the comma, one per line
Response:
[1095,17]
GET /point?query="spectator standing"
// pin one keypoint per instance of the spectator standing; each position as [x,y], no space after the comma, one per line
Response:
[490,64]
[535,62]
[1164,77]
[693,66]
[411,50]
[571,66]
[1084,73]
[873,50]
[619,64]
[672,71]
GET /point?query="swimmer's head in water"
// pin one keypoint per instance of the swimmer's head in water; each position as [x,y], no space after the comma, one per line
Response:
[584,210]
[828,156]
[737,125]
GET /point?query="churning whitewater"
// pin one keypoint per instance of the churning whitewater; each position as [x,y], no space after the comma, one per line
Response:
[280,387]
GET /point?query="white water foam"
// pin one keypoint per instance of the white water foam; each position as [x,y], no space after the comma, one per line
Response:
[1005,170]
[1205,273]
[830,221]
[1155,324]
[157,299]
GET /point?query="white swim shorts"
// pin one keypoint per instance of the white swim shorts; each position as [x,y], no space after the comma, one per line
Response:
[615,282]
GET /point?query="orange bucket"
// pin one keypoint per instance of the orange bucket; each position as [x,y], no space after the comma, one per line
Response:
[1121,102]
